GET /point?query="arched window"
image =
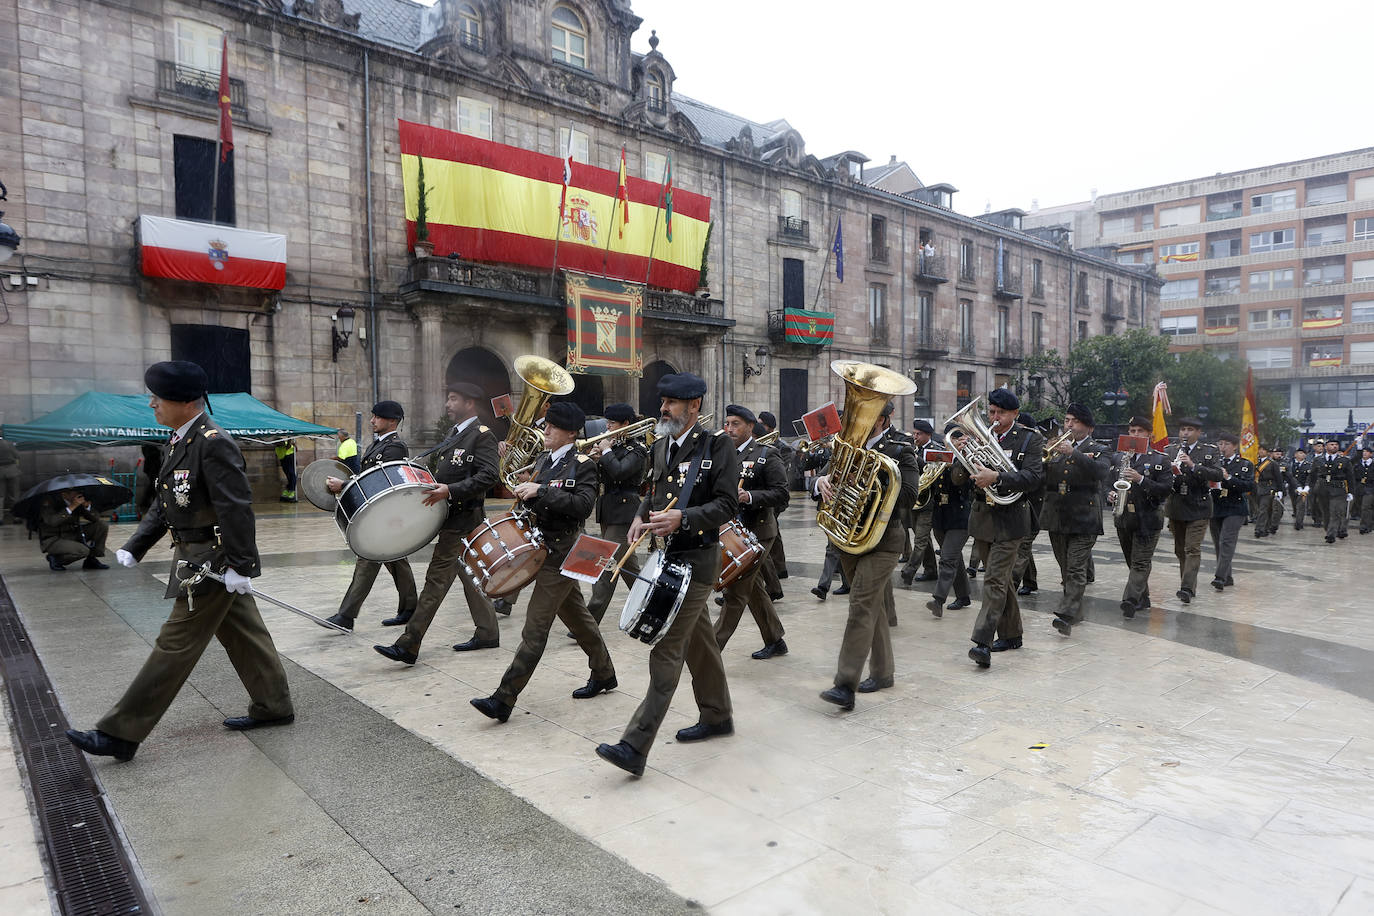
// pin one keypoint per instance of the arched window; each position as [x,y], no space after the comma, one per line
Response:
[656,94]
[470,27]
[568,37]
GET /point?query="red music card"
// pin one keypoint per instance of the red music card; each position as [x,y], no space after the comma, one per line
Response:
[1136,445]
[939,456]
[821,422]
[501,406]
[589,558]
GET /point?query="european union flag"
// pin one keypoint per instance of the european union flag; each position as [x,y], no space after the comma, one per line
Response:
[838,249]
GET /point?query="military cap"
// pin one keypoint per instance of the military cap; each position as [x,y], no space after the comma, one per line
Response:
[565,415]
[1190,421]
[744,413]
[1080,413]
[681,386]
[922,426]
[620,413]
[767,419]
[1141,422]
[1028,421]
[177,380]
[1229,437]
[1367,448]
[1003,398]
[888,408]
[467,390]
[388,410]
[759,429]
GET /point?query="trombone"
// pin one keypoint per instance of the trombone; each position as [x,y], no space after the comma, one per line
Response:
[634,430]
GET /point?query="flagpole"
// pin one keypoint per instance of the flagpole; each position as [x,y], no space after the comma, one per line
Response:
[219,132]
[562,208]
[824,265]
[616,206]
[653,237]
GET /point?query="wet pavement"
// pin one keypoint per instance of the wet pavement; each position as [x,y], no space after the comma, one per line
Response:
[1208,759]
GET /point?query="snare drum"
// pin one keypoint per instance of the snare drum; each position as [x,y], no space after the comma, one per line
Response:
[655,598]
[502,555]
[382,514]
[739,551]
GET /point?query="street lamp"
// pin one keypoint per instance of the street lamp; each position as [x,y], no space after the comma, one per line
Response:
[343,328]
[1115,399]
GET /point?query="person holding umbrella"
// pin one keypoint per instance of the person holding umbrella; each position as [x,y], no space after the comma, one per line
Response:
[70,529]
[205,502]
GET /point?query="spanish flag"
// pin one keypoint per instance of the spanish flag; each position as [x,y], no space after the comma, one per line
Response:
[492,202]
[1159,432]
[1249,437]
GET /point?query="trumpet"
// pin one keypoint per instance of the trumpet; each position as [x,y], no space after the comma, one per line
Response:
[639,428]
[982,449]
[805,447]
[1053,446]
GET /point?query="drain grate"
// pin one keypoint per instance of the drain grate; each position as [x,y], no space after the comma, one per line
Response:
[92,873]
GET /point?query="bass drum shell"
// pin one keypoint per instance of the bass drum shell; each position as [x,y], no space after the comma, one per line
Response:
[503,555]
[382,514]
[655,598]
[740,550]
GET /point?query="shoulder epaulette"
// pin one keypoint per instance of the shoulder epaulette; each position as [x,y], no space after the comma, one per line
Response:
[582,458]
[209,432]
[483,429]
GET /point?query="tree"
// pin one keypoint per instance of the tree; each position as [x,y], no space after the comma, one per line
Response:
[1088,373]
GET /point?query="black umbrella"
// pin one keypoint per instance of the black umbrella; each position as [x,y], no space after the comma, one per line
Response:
[101,492]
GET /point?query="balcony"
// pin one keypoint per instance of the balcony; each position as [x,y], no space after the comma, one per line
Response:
[795,228]
[1038,290]
[1008,352]
[657,104]
[878,254]
[931,342]
[777,333]
[200,86]
[473,41]
[1112,310]
[878,336]
[1008,287]
[930,268]
[966,347]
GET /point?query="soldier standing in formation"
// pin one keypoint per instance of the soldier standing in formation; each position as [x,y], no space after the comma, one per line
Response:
[1074,474]
[1139,523]
[1228,506]
[1299,472]
[1268,493]
[1189,507]
[1336,474]
[1364,477]
[950,497]
[621,464]
[1316,495]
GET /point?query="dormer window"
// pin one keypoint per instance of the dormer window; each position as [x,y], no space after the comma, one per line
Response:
[657,95]
[568,37]
[470,27]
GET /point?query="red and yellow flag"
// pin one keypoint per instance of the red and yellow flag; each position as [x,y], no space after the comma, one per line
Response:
[1159,431]
[226,119]
[1249,436]
[492,202]
[622,193]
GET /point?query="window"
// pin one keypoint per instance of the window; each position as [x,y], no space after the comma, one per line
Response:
[1182,324]
[1362,353]
[1037,331]
[655,92]
[966,259]
[193,165]
[568,37]
[1324,274]
[197,45]
[1227,318]
[1181,251]
[1337,394]
[1270,357]
[1271,279]
[963,391]
[1274,201]
[1364,188]
[1326,194]
[581,145]
[1082,289]
[1117,225]
[1328,353]
[1223,207]
[1221,283]
[1224,248]
[1128,257]
[1364,228]
[470,27]
[1147,220]
[1362,271]
[1273,240]
[1269,319]
[791,204]
[655,167]
[877,312]
[1037,278]
[1318,236]
[966,325]
[1361,311]
[1082,331]
[1135,303]
[793,283]
[877,230]
[1178,289]
[222,352]
[1185,215]
[1318,314]
[474,118]
[1003,320]
[924,317]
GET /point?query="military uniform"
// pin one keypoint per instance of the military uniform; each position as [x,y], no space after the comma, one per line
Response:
[1336,474]
[567,494]
[68,536]
[921,554]
[621,469]
[950,499]
[1138,525]
[9,479]
[469,468]
[1189,508]
[1229,512]
[389,447]
[1316,496]
[713,502]
[1072,515]
[1003,528]
[1364,477]
[1299,473]
[763,477]
[204,500]
[1268,496]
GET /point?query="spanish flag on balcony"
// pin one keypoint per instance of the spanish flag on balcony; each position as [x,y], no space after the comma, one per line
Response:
[803,326]
[492,202]
[1319,361]
[1322,323]
[1222,332]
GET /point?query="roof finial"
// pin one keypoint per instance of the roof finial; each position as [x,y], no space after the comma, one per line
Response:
[653,39]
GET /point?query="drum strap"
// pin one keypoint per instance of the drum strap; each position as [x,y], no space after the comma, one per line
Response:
[685,497]
[440,447]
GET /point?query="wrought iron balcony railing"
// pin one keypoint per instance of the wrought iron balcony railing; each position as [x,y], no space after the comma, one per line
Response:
[200,86]
[794,227]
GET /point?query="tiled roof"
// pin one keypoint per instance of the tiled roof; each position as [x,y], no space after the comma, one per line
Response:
[717,127]
[391,22]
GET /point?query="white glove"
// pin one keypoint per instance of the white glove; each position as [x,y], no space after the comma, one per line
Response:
[1350,497]
[235,583]
[124,558]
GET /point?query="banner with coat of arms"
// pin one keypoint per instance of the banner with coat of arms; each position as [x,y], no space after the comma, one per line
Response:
[605,326]
[808,327]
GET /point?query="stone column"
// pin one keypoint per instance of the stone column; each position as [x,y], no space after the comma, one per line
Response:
[714,401]
[431,382]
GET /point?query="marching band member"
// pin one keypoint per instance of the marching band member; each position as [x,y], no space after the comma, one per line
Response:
[1139,523]
[1228,506]
[562,493]
[788,455]
[762,490]
[1336,474]
[621,465]
[701,470]
[1268,493]
[1189,507]
[921,553]
[1074,474]
[951,496]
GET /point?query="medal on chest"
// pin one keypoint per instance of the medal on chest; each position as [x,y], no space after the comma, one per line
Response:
[181,488]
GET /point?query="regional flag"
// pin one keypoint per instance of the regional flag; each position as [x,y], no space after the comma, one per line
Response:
[1249,438]
[226,121]
[838,250]
[206,253]
[808,327]
[1159,432]
[668,199]
[621,195]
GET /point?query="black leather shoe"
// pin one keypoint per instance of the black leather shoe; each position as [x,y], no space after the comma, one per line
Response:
[93,563]
[703,730]
[842,590]
[959,604]
[397,655]
[982,655]
[1002,645]
[1063,626]
[476,643]
[593,688]
[1184,595]
[907,578]
[971,572]
[1297,526]
[248,723]
[903,559]
[1230,581]
[400,620]
[502,606]
[937,606]
[58,567]
[873,685]
[492,708]
[775,596]
[1026,590]
[339,620]
[782,574]
[768,651]
[102,745]
[1218,584]
[623,756]
[1128,609]
[842,697]
[819,592]
[925,577]
[1329,540]
[1341,535]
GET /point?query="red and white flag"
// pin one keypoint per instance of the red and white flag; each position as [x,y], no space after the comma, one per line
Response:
[226,121]
[206,253]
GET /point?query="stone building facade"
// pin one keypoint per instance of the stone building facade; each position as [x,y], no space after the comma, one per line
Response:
[114,105]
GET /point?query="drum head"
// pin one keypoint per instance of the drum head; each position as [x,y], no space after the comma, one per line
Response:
[638,598]
[395,525]
[313,479]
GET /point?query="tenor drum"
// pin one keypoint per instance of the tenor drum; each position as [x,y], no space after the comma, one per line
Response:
[739,551]
[502,555]
[655,598]
[382,514]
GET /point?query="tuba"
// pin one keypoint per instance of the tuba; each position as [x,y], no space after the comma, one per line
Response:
[543,379]
[981,448]
[929,474]
[865,483]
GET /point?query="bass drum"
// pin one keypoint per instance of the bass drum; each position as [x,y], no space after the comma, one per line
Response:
[503,555]
[655,598]
[739,551]
[382,514]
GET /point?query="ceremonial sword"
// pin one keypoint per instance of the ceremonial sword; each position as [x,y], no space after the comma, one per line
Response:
[204,572]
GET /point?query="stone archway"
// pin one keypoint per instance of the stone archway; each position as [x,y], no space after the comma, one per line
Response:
[648,386]
[484,369]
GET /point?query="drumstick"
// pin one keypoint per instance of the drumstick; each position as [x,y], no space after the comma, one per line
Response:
[635,546]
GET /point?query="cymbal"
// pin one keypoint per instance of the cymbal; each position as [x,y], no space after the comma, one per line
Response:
[313,481]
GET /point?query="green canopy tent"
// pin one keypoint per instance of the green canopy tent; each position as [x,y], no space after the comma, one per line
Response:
[97,418]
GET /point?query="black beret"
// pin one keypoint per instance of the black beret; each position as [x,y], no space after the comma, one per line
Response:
[1003,398]
[744,413]
[682,386]
[620,413]
[759,429]
[1190,421]
[1141,422]
[768,420]
[1028,421]
[1229,437]
[565,415]
[467,390]
[888,408]
[388,410]
[1080,413]
[177,380]
[922,426]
